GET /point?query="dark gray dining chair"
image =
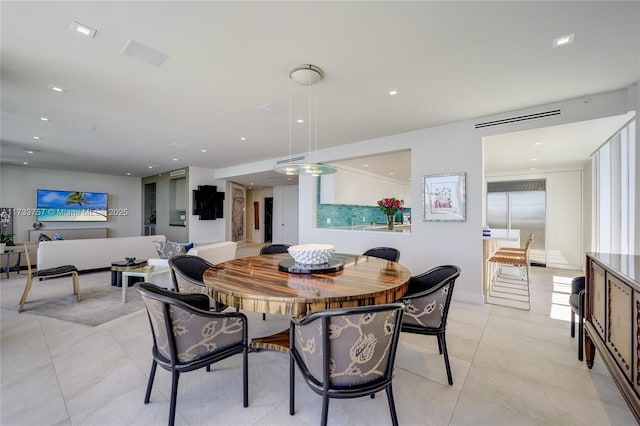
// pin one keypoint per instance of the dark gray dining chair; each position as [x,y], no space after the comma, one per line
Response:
[576,303]
[388,253]
[427,304]
[275,249]
[187,272]
[346,353]
[187,336]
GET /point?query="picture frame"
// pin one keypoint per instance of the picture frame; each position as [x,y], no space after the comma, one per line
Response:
[444,198]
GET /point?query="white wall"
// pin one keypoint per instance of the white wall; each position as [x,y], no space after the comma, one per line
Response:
[206,231]
[18,190]
[564,220]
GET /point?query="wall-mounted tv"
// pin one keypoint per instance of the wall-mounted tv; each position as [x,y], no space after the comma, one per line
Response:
[208,202]
[71,206]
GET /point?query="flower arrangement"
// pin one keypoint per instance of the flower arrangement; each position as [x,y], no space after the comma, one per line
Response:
[390,207]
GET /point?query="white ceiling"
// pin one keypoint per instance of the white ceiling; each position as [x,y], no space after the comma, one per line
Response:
[449,61]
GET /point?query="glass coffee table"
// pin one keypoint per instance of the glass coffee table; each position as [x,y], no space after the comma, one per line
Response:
[145,272]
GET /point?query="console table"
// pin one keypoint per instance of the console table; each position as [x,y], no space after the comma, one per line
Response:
[612,320]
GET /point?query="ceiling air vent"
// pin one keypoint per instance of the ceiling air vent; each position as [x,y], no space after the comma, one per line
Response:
[290,160]
[519,118]
[177,172]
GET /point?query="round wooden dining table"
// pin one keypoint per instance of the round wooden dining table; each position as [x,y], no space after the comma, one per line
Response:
[257,284]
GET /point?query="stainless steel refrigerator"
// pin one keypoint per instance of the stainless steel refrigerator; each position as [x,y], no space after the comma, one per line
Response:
[520,205]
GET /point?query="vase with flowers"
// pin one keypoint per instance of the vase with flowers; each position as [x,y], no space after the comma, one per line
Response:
[390,207]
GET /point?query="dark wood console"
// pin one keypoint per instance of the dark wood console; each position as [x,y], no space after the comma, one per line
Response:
[612,320]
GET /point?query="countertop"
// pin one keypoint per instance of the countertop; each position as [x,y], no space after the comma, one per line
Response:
[398,227]
[626,265]
[504,235]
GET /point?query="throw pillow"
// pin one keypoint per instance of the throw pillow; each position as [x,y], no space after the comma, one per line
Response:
[58,237]
[43,237]
[172,248]
[159,245]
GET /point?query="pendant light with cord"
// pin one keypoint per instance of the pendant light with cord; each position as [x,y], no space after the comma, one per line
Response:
[305,75]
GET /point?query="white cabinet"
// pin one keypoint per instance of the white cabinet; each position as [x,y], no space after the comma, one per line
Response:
[359,189]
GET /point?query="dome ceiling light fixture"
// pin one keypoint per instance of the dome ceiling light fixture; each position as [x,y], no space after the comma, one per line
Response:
[305,75]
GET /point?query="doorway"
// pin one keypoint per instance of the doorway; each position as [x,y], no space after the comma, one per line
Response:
[268,219]
[520,205]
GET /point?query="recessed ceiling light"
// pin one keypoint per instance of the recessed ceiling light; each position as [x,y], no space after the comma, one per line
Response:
[243,138]
[538,143]
[37,138]
[151,167]
[128,173]
[203,150]
[393,92]
[57,89]
[300,120]
[45,119]
[175,159]
[289,178]
[534,159]
[29,152]
[391,173]
[532,168]
[25,163]
[366,165]
[251,184]
[563,40]
[83,29]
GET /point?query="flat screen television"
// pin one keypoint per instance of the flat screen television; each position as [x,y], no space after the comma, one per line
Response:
[208,202]
[71,206]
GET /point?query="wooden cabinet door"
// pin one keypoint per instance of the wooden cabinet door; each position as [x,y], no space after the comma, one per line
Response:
[619,327]
[597,298]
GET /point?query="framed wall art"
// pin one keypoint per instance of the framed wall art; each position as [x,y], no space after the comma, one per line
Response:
[444,198]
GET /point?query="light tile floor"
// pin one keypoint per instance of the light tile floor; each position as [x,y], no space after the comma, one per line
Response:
[510,367]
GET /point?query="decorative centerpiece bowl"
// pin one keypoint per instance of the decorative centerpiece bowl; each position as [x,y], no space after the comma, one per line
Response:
[311,254]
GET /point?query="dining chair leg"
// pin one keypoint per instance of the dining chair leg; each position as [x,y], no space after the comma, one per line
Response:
[152,375]
[325,409]
[175,375]
[392,405]
[442,340]
[573,324]
[292,370]
[264,317]
[27,289]
[439,346]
